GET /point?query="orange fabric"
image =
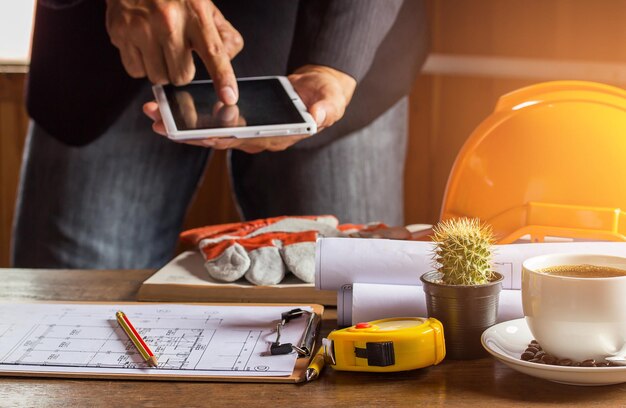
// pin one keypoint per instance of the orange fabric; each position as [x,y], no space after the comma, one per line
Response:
[237,229]
[212,251]
[298,237]
[195,235]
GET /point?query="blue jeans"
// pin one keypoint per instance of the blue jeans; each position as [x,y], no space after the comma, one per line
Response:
[119,202]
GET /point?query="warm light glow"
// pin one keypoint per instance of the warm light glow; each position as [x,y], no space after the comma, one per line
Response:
[525,104]
[16,24]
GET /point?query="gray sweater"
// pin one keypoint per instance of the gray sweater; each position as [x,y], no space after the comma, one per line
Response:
[381,43]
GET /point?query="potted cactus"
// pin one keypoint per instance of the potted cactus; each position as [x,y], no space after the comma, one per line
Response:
[463,291]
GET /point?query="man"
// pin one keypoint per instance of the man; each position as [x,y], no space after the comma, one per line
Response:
[99,189]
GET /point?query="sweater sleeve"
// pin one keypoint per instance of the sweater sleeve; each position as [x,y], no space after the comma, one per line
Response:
[342,34]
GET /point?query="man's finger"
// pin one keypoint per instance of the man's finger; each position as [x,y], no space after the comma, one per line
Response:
[260,144]
[232,40]
[159,128]
[224,143]
[132,61]
[281,143]
[154,62]
[179,62]
[206,41]
[178,58]
[153,59]
[325,113]
[151,109]
[218,65]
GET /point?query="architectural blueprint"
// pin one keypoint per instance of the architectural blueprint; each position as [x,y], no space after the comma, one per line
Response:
[186,339]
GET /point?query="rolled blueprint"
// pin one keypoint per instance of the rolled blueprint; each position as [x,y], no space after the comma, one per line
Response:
[362,302]
[341,261]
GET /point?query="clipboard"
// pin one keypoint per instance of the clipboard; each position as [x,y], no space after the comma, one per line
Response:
[135,373]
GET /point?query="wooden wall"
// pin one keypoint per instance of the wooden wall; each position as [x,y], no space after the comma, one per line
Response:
[481,50]
[13,122]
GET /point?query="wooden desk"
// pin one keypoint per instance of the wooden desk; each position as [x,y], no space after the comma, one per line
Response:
[483,382]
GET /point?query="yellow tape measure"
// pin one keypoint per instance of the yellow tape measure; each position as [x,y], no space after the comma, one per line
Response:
[386,345]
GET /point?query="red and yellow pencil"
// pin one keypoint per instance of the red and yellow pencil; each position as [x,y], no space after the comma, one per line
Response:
[135,337]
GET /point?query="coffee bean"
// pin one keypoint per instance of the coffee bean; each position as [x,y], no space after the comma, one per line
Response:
[535,354]
[588,363]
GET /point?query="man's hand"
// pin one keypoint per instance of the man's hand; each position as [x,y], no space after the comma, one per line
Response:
[156,38]
[325,91]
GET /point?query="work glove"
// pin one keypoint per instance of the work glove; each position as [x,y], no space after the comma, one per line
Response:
[265,250]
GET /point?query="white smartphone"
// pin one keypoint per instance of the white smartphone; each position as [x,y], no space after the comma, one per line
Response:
[267,106]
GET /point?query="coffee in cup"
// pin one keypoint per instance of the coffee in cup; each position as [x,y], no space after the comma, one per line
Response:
[575,304]
[583,271]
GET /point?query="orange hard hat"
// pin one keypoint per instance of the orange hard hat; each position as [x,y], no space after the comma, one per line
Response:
[549,161]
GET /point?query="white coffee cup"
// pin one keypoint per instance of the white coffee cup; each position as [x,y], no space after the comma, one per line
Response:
[573,317]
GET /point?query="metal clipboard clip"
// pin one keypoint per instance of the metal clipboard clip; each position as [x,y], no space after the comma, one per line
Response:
[305,346]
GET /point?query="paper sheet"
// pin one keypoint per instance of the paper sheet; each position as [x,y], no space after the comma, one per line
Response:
[362,302]
[186,339]
[341,261]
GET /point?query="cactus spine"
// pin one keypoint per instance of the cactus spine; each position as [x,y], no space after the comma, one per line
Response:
[463,251]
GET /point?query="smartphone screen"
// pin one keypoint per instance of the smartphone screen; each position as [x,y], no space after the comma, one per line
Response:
[261,102]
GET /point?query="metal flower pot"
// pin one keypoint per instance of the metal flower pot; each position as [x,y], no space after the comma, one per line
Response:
[465,312]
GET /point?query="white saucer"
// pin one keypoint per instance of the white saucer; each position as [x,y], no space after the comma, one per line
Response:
[506,341]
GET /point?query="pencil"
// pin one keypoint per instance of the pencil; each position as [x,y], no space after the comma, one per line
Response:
[135,337]
[316,365]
